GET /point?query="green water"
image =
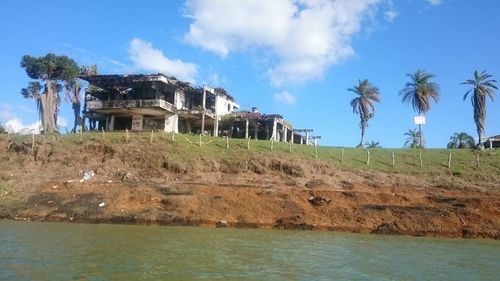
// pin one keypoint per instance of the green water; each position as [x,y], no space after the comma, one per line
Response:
[59,251]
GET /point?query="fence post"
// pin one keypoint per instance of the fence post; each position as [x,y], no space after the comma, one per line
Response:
[200,140]
[315,150]
[420,157]
[227,142]
[33,142]
[248,143]
[290,147]
[368,157]
[126,135]
[81,133]
[103,133]
[173,136]
[151,138]
[342,156]
[449,160]
[393,159]
[271,144]
[477,160]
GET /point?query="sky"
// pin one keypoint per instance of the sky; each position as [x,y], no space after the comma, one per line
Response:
[292,57]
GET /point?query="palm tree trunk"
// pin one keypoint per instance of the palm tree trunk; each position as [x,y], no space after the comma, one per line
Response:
[363,127]
[420,135]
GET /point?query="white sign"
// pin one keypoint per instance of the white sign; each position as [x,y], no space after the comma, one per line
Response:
[419,120]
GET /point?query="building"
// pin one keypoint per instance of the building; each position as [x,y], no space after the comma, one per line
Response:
[157,102]
[153,102]
[491,142]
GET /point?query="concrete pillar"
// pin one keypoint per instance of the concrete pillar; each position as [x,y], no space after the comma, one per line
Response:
[216,126]
[307,138]
[246,128]
[171,123]
[203,114]
[111,123]
[275,128]
[106,126]
[301,140]
[491,144]
[285,134]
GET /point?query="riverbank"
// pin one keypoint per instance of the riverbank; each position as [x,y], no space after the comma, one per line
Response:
[178,182]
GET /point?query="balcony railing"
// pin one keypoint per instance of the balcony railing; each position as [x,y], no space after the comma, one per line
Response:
[116,104]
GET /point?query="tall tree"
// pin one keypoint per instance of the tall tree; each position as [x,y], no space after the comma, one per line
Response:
[49,74]
[72,94]
[414,139]
[482,86]
[461,140]
[364,103]
[419,92]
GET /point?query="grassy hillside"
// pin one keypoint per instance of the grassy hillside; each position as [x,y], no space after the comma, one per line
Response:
[186,149]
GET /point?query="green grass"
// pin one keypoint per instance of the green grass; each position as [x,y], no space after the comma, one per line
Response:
[186,147]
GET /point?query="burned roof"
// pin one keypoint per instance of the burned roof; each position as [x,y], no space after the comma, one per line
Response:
[116,80]
[255,115]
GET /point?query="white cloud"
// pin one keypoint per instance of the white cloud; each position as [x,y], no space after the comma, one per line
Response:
[434,2]
[62,122]
[306,36]
[17,126]
[285,97]
[147,58]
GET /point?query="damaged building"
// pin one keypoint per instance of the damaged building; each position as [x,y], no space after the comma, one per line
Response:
[158,102]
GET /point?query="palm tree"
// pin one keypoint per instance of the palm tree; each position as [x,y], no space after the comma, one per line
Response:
[461,140]
[418,93]
[482,86]
[364,103]
[414,139]
[373,144]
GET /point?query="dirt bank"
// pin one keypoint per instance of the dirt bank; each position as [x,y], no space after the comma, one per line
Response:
[140,184]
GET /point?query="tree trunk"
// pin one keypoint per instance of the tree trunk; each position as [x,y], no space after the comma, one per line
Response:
[363,127]
[76,113]
[48,103]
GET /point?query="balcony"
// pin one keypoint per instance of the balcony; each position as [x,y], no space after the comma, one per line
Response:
[138,106]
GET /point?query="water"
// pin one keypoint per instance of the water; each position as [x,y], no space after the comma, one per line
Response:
[59,251]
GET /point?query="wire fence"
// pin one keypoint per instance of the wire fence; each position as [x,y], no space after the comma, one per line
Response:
[381,158]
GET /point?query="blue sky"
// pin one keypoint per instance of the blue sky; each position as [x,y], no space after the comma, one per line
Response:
[293,57]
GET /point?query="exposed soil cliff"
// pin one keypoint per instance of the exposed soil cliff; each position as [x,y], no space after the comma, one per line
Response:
[140,183]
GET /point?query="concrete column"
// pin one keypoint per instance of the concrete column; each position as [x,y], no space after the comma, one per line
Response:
[204,108]
[275,128]
[107,123]
[285,134]
[111,123]
[307,138]
[301,140]
[491,144]
[246,128]
[171,123]
[216,126]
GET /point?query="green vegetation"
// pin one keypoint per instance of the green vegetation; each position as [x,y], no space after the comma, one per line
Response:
[49,74]
[364,103]
[185,149]
[461,140]
[418,93]
[482,86]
